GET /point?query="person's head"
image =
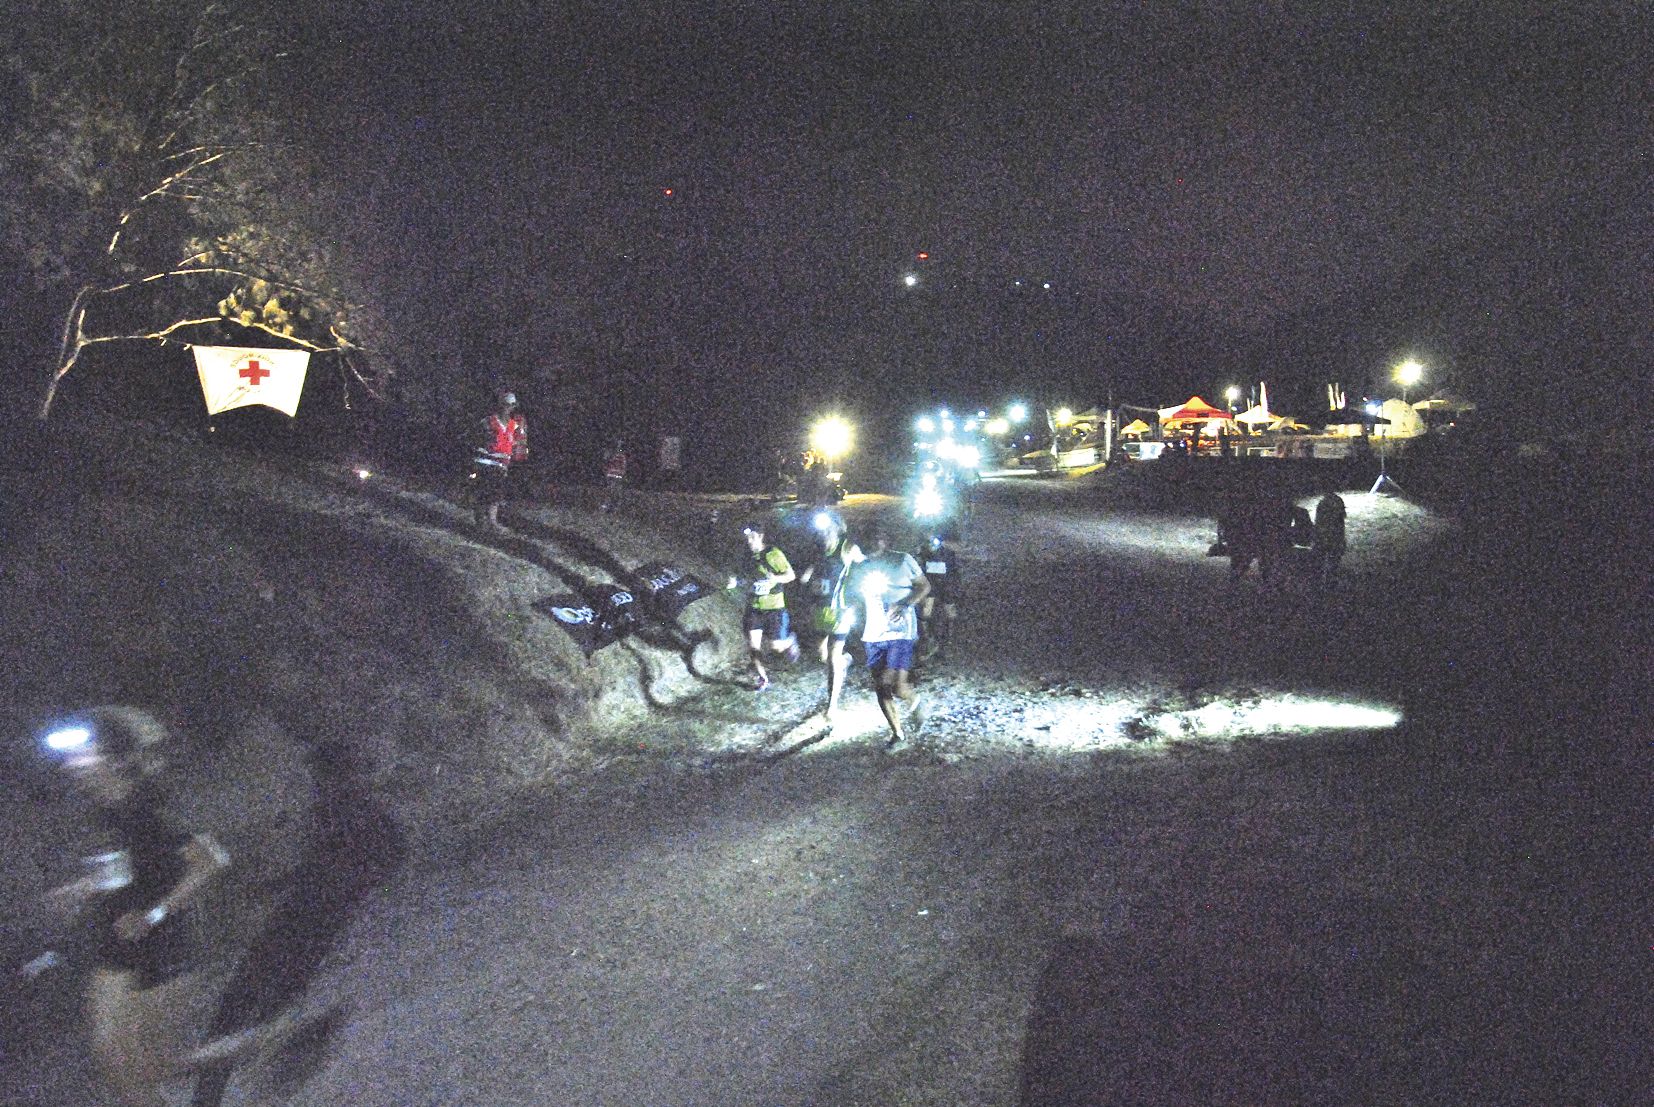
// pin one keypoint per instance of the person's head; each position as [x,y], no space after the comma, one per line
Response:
[830,526]
[507,399]
[753,531]
[108,751]
[882,537]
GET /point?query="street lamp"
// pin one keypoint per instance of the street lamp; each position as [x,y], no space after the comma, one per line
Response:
[1408,373]
[1232,394]
[1018,412]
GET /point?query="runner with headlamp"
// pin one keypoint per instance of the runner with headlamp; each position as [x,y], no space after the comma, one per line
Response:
[890,585]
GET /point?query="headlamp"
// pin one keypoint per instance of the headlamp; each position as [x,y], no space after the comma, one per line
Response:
[927,502]
[68,739]
[823,520]
[874,585]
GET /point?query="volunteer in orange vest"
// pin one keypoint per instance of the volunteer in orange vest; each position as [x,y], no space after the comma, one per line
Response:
[504,442]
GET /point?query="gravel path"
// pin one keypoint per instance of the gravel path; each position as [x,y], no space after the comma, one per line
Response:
[1150,850]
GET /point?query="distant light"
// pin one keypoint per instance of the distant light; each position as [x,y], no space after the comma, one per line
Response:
[1046,285]
[997,427]
[1372,409]
[910,279]
[666,192]
[832,437]
[364,474]
[922,256]
[981,414]
[943,412]
[947,423]
[927,503]
[1017,412]
[968,456]
[925,425]
[970,424]
[1232,393]
[1063,416]
[1409,372]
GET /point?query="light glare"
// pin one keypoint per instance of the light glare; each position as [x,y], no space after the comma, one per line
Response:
[68,738]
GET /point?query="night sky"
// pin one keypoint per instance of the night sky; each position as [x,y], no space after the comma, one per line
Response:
[733,193]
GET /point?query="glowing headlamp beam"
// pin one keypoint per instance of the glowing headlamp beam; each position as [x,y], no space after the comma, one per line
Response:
[68,739]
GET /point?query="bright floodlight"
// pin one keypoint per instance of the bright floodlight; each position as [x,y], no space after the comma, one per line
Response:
[925,425]
[1232,393]
[910,279]
[1063,416]
[832,437]
[1409,372]
[997,427]
[1017,412]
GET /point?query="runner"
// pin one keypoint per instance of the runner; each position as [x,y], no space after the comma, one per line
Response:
[890,585]
[138,895]
[138,898]
[835,610]
[941,566]
[766,615]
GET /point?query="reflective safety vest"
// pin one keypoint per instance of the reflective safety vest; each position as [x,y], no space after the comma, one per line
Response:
[506,440]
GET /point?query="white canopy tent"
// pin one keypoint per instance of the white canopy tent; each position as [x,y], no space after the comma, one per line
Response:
[1404,421]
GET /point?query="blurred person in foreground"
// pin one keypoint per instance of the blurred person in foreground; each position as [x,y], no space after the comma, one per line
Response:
[137,899]
[890,586]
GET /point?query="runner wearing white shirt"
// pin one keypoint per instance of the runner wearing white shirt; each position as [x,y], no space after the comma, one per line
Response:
[890,585]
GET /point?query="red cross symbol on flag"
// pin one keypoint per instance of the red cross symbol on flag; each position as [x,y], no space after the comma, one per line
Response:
[254,373]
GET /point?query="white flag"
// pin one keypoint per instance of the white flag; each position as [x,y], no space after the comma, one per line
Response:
[236,376]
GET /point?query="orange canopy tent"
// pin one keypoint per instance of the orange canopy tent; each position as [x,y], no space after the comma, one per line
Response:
[1196,410]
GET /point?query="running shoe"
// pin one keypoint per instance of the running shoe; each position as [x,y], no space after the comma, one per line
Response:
[916,716]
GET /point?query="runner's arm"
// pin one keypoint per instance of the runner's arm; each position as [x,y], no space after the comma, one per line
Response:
[204,860]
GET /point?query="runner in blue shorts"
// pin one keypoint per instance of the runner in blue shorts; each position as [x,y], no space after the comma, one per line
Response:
[891,586]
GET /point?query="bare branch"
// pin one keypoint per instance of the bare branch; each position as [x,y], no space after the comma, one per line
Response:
[158,190]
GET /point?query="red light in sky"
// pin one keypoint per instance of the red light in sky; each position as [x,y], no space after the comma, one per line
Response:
[666,192]
[922,256]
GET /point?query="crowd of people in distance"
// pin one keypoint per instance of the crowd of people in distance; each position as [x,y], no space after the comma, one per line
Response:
[1272,532]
